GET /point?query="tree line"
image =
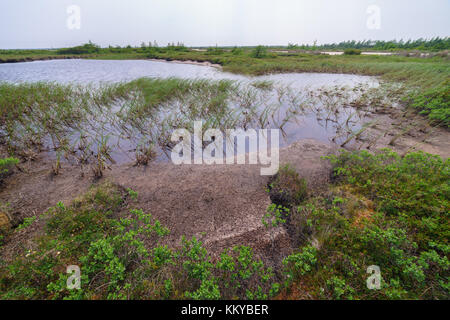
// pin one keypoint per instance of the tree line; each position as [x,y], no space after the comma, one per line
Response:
[434,44]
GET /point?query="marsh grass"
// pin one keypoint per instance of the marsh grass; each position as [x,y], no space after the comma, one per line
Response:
[93,125]
[424,81]
[87,124]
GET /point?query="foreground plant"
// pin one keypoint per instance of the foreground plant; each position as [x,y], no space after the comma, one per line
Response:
[121,256]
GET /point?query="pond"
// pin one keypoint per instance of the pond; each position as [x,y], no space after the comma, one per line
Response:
[328,118]
[96,71]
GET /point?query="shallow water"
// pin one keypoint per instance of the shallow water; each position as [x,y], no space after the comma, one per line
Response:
[97,71]
[109,71]
[370,53]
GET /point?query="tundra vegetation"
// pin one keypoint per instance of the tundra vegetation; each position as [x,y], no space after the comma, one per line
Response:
[424,79]
[120,250]
[380,209]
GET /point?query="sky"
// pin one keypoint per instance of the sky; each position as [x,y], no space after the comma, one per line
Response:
[50,23]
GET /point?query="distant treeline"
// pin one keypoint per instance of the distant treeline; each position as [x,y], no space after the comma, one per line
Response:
[87,48]
[90,48]
[434,44]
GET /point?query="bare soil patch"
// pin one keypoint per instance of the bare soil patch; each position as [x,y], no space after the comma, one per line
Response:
[221,204]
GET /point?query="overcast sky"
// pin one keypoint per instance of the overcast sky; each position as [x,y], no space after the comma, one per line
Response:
[44,23]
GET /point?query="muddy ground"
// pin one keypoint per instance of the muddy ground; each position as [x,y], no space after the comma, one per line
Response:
[404,131]
[221,204]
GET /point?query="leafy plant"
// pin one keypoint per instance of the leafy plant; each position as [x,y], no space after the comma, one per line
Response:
[299,264]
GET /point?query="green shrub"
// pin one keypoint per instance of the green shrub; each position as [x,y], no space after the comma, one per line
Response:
[339,288]
[299,264]
[259,52]
[237,51]
[237,274]
[352,52]
[86,234]
[400,223]
[435,103]
[5,166]
[287,188]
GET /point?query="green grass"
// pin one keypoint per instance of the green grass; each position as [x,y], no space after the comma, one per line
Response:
[85,123]
[418,75]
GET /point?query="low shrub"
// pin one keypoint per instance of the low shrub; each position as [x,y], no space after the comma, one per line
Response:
[120,256]
[352,52]
[259,52]
[400,224]
[287,188]
[6,165]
